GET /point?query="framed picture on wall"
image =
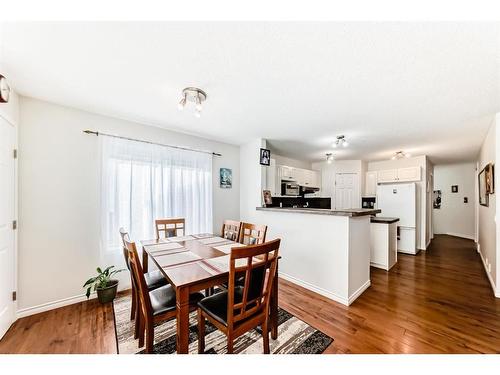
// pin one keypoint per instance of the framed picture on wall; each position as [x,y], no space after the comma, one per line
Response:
[265,156]
[483,195]
[490,178]
[226,178]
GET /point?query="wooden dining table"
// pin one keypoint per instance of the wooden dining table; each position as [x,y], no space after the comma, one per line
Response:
[196,263]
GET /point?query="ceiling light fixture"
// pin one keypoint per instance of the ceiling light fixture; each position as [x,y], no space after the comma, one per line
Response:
[195,95]
[329,158]
[400,155]
[340,141]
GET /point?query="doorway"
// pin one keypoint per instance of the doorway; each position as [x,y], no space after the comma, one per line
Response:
[346,191]
[7,214]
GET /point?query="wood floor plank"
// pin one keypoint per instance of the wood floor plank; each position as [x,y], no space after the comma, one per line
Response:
[438,301]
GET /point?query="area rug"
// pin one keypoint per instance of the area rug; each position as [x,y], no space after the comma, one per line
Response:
[294,336]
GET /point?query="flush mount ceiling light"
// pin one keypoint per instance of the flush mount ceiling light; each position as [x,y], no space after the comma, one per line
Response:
[329,158]
[340,141]
[194,95]
[400,155]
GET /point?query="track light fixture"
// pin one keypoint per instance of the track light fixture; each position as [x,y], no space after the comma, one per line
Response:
[340,141]
[329,158]
[195,95]
[400,155]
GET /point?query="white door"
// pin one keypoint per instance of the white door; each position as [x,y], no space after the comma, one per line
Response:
[346,191]
[7,212]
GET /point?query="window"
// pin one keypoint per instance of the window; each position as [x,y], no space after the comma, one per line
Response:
[141,182]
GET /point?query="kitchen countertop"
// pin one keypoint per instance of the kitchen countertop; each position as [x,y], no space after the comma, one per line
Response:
[384,220]
[323,211]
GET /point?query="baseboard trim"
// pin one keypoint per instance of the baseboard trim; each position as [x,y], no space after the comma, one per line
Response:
[358,292]
[315,289]
[326,293]
[493,286]
[460,235]
[22,313]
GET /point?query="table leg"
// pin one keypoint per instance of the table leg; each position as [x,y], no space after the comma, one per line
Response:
[182,295]
[274,308]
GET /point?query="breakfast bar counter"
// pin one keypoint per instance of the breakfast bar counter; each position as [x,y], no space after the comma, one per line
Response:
[323,250]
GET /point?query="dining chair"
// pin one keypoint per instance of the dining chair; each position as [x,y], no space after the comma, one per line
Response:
[156,305]
[252,234]
[241,308]
[231,230]
[170,227]
[154,279]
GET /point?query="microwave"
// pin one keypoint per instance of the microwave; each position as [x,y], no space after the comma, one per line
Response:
[290,188]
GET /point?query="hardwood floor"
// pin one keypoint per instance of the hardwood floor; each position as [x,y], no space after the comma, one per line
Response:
[439,301]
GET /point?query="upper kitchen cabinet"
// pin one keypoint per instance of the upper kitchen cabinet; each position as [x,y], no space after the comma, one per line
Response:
[303,177]
[371,184]
[398,175]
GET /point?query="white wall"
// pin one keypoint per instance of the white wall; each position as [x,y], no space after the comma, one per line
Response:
[486,215]
[252,178]
[59,197]
[283,160]
[420,161]
[429,232]
[455,217]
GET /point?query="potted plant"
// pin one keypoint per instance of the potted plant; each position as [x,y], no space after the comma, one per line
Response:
[102,283]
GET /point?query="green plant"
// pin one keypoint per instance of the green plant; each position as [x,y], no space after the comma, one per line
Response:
[101,280]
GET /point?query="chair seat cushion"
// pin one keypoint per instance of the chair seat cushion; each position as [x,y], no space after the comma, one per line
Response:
[155,279]
[216,304]
[163,299]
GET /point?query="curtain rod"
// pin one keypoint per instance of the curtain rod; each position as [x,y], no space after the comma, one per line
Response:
[151,143]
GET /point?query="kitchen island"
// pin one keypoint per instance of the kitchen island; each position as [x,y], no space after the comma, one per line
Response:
[326,251]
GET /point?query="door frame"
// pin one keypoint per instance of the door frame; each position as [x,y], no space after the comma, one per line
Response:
[14,124]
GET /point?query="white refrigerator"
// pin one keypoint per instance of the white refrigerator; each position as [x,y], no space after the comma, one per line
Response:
[400,200]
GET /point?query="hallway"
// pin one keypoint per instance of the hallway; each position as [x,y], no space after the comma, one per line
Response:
[439,301]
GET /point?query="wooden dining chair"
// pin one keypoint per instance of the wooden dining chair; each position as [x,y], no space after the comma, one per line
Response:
[231,230]
[241,308]
[154,279]
[170,227]
[157,305]
[252,234]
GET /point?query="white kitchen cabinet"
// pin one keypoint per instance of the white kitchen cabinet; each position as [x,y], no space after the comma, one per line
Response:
[383,245]
[409,174]
[399,175]
[286,173]
[387,175]
[303,177]
[371,184]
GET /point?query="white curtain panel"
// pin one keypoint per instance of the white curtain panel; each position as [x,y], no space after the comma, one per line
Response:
[141,182]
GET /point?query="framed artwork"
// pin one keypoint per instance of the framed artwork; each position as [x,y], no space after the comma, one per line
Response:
[437,199]
[490,178]
[454,188]
[483,195]
[265,156]
[267,197]
[226,178]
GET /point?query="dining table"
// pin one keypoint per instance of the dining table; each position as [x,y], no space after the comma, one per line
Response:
[193,263]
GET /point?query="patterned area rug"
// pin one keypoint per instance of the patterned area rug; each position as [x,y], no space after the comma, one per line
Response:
[294,336]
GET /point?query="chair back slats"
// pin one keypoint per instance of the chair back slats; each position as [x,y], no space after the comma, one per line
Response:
[231,230]
[125,237]
[170,227]
[138,276]
[252,234]
[258,265]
